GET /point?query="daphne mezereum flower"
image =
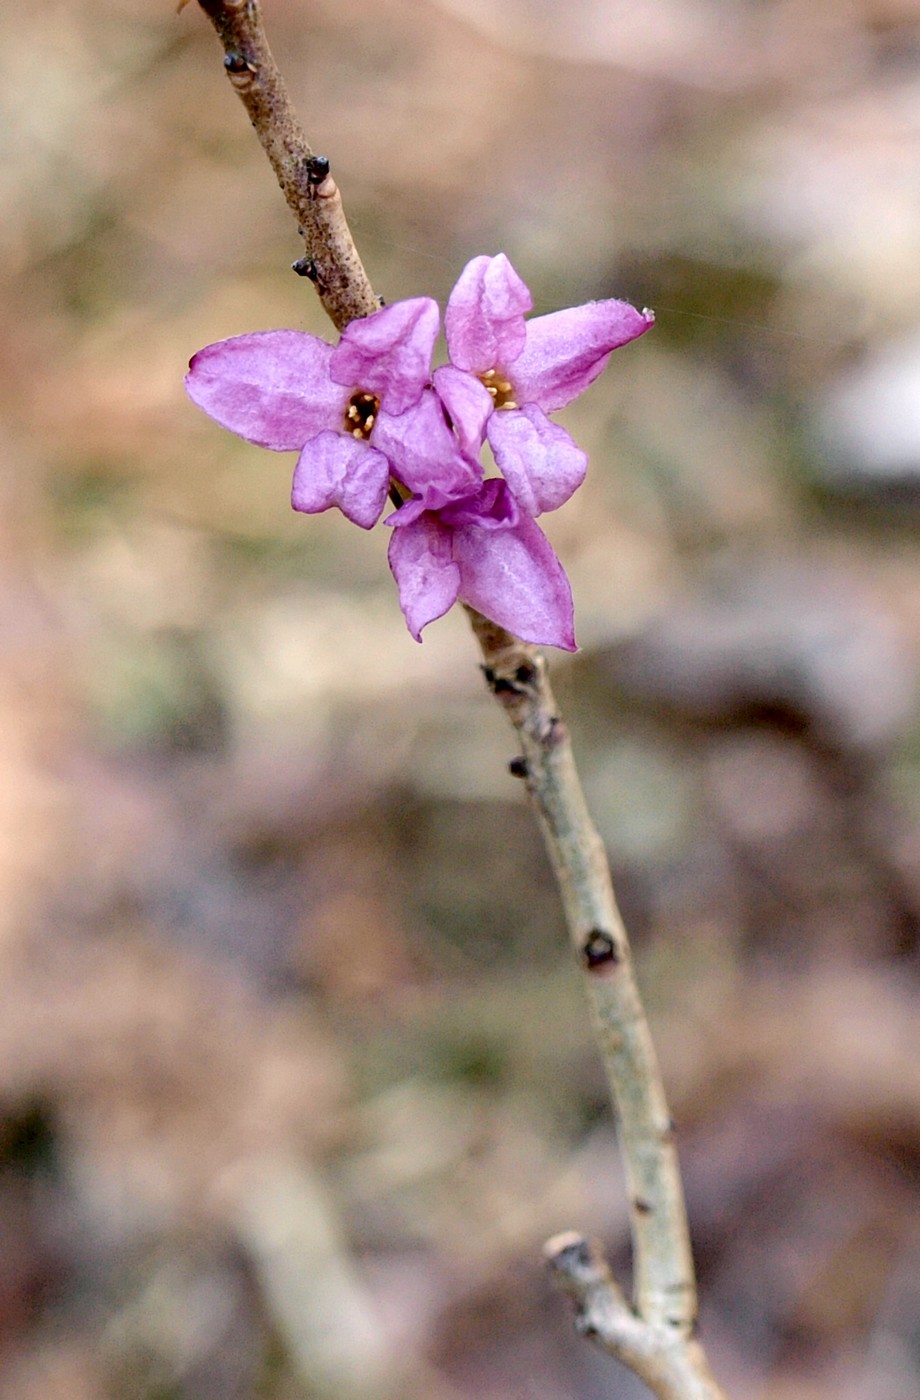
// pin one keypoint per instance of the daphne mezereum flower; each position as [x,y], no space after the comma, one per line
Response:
[367,416]
[288,390]
[485,550]
[506,374]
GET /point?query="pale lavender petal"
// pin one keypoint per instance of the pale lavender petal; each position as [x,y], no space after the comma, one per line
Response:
[484,320]
[513,577]
[389,352]
[407,513]
[426,576]
[537,458]
[271,387]
[423,453]
[492,507]
[336,470]
[566,351]
[467,403]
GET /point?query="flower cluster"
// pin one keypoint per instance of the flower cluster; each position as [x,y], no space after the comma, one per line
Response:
[370,419]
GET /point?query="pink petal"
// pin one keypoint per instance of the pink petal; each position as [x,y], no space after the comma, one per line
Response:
[389,352]
[424,454]
[537,458]
[566,351]
[513,577]
[407,513]
[485,315]
[509,570]
[336,470]
[271,387]
[492,507]
[467,404]
[426,576]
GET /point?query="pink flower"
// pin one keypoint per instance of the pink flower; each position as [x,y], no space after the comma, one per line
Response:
[506,374]
[289,390]
[486,551]
[475,544]
[368,417]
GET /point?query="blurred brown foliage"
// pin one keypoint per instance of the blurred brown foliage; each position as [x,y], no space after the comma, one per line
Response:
[294,1076]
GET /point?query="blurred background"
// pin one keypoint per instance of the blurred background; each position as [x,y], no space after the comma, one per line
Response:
[294,1071]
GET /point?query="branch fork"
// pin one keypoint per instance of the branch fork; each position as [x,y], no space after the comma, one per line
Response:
[666,1357]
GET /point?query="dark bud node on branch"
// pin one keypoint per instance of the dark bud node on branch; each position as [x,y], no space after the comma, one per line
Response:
[501,685]
[306,267]
[599,950]
[239,70]
[642,1206]
[526,674]
[518,768]
[317,169]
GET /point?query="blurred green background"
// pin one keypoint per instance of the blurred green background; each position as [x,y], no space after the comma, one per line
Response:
[294,1072]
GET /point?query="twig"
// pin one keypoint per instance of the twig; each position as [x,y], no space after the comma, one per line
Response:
[331,260]
[516,673]
[655,1335]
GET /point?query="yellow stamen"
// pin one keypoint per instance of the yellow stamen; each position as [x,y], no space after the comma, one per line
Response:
[499,389]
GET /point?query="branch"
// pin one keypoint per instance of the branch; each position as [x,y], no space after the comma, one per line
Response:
[655,1336]
[331,260]
[665,1290]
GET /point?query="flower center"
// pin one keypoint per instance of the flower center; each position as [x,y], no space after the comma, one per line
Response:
[499,388]
[361,414]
